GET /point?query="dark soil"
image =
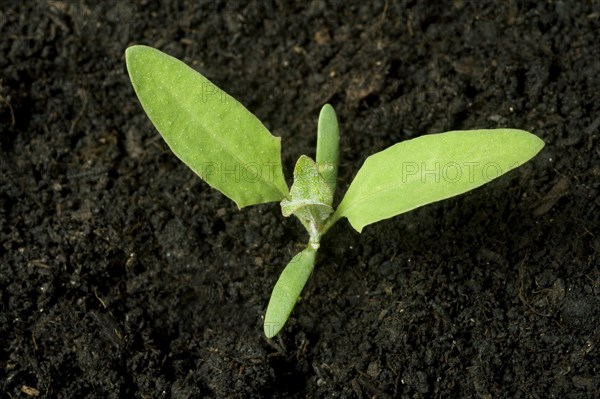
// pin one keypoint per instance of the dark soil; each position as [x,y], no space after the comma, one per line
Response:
[123,275]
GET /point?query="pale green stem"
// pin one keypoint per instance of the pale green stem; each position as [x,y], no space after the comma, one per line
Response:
[330,221]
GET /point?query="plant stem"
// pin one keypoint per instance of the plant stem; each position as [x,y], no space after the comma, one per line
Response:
[330,221]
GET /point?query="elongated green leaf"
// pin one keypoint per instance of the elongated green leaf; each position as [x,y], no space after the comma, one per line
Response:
[207,129]
[328,143]
[432,168]
[287,290]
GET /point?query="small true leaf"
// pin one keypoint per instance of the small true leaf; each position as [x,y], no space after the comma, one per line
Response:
[432,168]
[207,129]
[287,290]
[310,196]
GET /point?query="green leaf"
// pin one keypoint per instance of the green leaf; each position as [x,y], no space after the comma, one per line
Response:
[432,168]
[328,143]
[310,196]
[287,290]
[207,129]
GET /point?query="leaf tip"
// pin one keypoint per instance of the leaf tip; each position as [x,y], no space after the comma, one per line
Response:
[132,59]
[271,329]
[131,51]
[532,142]
[539,142]
[327,108]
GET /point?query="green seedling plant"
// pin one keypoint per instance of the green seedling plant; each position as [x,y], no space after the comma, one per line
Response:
[231,150]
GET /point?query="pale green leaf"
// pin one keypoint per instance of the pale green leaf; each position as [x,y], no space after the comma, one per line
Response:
[328,143]
[310,196]
[207,129]
[432,168]
[287,290]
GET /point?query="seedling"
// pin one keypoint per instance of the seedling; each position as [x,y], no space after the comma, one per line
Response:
[230,149]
